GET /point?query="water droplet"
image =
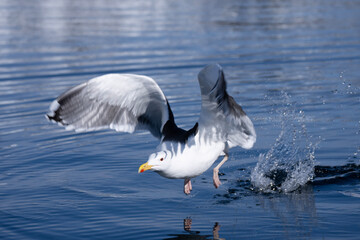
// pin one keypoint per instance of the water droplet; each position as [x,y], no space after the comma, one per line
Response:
[293,153]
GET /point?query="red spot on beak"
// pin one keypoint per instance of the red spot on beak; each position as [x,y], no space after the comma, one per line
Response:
[142,170]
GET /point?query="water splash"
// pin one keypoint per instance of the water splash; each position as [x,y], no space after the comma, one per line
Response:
[290,162]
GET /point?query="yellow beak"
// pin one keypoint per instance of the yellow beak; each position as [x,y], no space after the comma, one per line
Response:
[144,167]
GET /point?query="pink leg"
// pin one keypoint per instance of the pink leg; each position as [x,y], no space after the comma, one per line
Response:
[216,179]
[187,224]
[216,231]
[187,186]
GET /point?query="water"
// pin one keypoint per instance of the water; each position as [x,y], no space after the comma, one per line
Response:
[289,164]
[293,65]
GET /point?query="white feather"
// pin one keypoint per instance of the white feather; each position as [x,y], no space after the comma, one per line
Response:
[115,101]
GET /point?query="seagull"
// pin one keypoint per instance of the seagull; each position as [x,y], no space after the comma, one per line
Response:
[129,102]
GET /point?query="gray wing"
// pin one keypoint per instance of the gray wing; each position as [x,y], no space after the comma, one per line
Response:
[221,117]
[123,102]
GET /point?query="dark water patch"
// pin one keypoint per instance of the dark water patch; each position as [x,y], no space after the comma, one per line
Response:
[278,176]
[347,174]
[326,171]
[323,175]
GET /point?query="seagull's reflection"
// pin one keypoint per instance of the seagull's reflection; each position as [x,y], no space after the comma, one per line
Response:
[195,234]
[296,211]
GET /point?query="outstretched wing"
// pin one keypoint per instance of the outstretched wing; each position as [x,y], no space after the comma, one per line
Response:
[124,102]
[221,117]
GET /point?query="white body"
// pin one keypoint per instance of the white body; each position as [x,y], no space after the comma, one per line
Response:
[191,159]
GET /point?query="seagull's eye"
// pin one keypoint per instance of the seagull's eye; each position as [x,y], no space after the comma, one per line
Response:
[161,159]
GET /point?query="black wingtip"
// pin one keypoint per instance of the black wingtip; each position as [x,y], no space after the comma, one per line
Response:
[55,118]
[173,133]
[54,114]
[193,131]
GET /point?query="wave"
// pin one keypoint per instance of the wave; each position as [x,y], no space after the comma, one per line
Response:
[325,175]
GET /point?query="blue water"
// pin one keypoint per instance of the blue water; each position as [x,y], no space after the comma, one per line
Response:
[292,65]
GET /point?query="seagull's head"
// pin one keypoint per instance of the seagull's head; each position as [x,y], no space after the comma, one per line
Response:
[157,162]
